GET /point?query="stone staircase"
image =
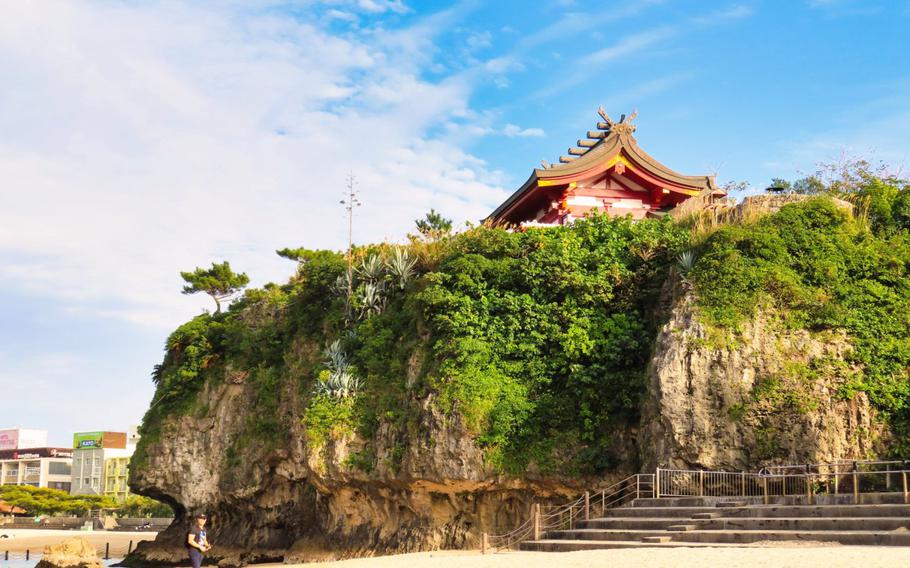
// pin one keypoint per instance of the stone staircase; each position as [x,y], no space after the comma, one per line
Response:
[703,521]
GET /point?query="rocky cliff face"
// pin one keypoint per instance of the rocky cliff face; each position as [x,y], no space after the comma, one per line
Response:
[714,400]
[429,488]
[767,394]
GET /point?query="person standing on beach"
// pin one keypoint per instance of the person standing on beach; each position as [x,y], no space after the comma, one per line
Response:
[197,541]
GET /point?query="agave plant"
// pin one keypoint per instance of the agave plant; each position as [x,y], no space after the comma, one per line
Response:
[340,287]
[372,269]
[336,360]
[685,261]
[401,266]
[372,299]
[339,385]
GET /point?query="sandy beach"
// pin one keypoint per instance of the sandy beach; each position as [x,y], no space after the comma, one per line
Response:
[34,540]
[754,557]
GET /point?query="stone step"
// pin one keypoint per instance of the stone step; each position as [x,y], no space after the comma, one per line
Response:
[572,545]
[605,534]
[657,539]
[727,504]
[887,510]
[804,523]
[867,538]
[629,523]
[681,528]
[705,515]
[876,538]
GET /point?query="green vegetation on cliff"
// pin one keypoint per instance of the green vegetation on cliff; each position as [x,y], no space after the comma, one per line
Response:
[824,269]
[539,340]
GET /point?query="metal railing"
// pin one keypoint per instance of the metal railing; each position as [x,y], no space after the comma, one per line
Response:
[808,481]
[799,481]
[562,517]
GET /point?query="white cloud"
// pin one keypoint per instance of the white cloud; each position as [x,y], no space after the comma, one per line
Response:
[513,130]
[627,45]
[380,6]
[140,140]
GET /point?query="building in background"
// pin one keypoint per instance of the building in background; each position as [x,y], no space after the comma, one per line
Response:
[38,467]
[101,463]
[22,438]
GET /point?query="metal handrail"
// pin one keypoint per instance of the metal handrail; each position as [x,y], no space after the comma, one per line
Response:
[553,517]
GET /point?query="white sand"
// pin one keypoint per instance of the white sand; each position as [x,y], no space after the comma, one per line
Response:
[755,557]
[35,540]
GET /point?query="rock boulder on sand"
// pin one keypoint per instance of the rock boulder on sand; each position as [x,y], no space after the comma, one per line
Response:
[71,553]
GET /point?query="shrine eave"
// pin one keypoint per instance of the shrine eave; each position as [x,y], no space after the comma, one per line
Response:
[616,149]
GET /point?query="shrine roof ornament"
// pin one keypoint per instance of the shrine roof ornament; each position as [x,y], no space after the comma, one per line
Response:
[610,149]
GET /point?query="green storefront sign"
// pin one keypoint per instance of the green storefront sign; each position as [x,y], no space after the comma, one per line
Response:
[88,440]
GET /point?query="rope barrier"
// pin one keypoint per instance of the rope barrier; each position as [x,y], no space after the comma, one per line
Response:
[106,553]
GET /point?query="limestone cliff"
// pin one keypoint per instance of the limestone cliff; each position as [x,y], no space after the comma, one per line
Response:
[514,367]
[430,488]
[766,394]
[306,503]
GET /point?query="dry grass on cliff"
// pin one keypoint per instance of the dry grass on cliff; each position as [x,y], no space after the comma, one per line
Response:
[732,557]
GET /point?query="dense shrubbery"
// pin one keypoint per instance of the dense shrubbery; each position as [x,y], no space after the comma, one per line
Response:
[540,339]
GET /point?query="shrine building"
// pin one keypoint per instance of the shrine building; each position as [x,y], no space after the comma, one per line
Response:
[607,172]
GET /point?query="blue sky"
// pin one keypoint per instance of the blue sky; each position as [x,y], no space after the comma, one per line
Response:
[141,138]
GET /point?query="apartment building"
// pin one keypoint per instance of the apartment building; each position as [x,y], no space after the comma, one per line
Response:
[38,467]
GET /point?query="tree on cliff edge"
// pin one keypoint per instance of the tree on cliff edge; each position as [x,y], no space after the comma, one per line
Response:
[219,282]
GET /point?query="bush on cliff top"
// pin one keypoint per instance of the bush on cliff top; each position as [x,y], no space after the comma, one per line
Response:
[539,340]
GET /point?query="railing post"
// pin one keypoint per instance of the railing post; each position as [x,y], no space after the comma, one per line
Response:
[536,521]
[701,483]
[657,483]
[808,490]
[855,484]
[887,476]
[107,551]
[906,494]
[764,486]
[484,543]
[742,479]
[587,505]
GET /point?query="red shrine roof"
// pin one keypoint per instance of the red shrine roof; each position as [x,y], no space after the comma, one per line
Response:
[611,157]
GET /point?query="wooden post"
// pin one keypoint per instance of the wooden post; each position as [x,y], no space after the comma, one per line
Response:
[587,505]
[107,551]
[484,543]
[27,554]
[836,489]
[657,483]
[129,549]
[742,479]
[906,494]
[764,488]
[887,476]
[6,555]
[808,491]
[536,521]
[701,483]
